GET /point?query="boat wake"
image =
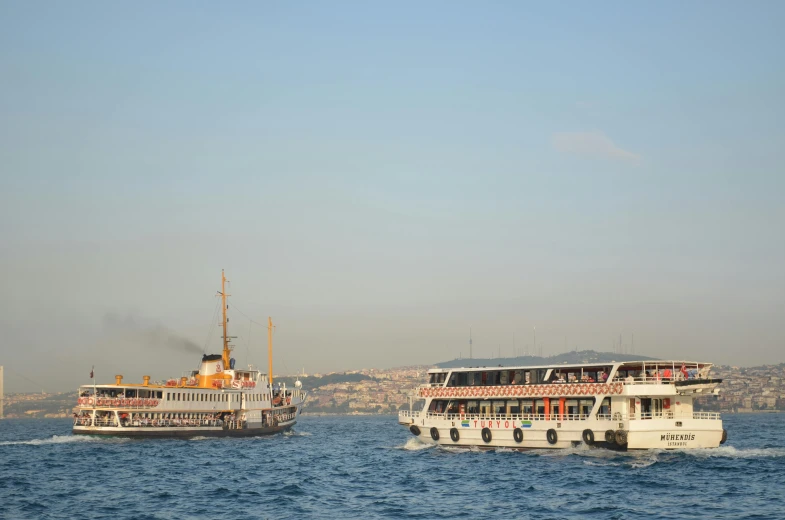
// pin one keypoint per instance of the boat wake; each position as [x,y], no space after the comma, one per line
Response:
[731,452]
[59,439]
[414,445]
[292,433]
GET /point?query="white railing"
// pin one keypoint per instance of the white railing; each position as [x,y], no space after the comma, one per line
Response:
[702,416]
[108,402]
[169,423]
[713,416]
[494,417]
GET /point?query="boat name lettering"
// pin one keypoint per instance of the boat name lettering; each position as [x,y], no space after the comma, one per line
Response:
[492,424]
[677,437]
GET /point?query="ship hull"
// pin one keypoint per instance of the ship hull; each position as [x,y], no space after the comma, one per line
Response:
[180,432]
[483,434]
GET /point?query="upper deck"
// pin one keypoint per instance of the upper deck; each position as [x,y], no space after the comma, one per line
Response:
[644,371]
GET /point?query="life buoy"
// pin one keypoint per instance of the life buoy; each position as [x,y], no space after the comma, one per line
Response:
[552,436]
[434,433]
[588,437]
[155,402]
[724,438]
[454,435]
[90,401]
[621,437]
[415,430]
[486,435]
[610,437]
[517,434]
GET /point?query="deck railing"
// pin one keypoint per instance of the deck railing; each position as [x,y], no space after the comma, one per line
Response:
[711,416]
[108,402]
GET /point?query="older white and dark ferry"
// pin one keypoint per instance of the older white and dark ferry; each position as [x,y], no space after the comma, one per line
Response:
[216,400]
[618,405]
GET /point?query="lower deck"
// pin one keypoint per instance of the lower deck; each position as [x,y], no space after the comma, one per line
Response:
[531,431]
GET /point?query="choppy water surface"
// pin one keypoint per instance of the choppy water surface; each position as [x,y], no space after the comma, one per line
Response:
[369,467]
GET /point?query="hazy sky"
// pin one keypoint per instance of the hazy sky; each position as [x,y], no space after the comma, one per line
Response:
[379,178]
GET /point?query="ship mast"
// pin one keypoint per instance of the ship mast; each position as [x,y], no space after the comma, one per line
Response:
[226,350]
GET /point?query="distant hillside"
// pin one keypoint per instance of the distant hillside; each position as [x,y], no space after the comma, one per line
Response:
[315,382]
[584,356]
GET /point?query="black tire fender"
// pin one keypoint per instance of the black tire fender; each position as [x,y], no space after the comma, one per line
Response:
[552,436]
[724,438]
[610,437]
[621,437]
[517,434]
[454,435]
[434,433]
[486,435]
[415,430]
[588,437]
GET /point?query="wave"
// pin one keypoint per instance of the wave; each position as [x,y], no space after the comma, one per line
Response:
[58,439]
[731,452]
[415,445]
[292,433]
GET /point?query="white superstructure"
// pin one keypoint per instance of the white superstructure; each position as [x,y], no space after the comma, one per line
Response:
[619,405]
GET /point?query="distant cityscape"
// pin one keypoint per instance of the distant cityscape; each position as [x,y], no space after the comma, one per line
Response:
[385,391]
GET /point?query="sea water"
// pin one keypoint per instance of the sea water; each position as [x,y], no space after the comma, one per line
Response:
[370,467]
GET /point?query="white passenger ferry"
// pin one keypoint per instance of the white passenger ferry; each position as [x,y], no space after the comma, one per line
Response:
[618,405]
[216,400]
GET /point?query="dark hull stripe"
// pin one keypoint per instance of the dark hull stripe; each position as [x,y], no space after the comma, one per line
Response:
[248,432]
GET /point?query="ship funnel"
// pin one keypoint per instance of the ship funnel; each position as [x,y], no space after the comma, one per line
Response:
[146,380]
[118,379]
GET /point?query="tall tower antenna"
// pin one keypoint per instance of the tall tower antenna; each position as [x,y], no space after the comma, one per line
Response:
[535,339]
[270,351]
[514,352]
[470,344]
[2,391]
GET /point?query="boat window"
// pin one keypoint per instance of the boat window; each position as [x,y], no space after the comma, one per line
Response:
[453,380]
[178,396]
[485,407]
[437,406]
[605,407]
[462,379]
[540,405]
[517,377]
[478,379]
[503,377]
[472,407]
[585,406]
[432,379]
[527,406]
[514,407]
[499,408]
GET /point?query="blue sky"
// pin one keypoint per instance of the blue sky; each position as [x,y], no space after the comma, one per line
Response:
[379,178]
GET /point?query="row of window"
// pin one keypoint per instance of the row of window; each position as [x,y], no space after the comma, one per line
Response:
[190,396]
[522,377]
